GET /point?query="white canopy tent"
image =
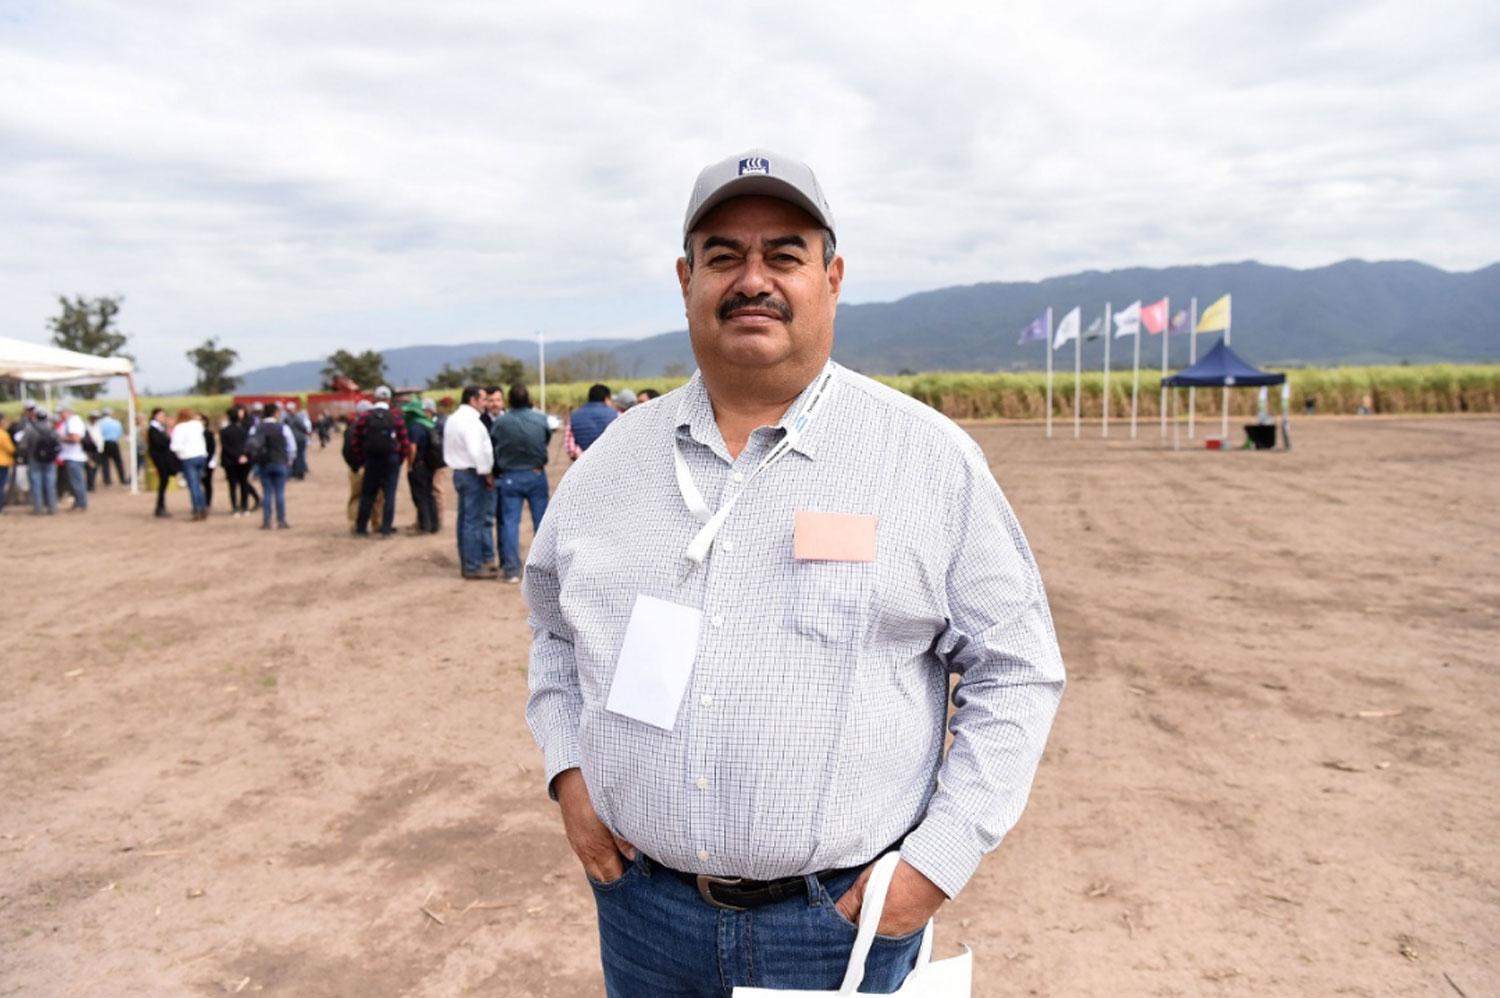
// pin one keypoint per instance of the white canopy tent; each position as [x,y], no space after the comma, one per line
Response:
[36,363]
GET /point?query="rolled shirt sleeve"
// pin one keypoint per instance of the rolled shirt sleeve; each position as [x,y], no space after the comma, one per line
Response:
[1001,643]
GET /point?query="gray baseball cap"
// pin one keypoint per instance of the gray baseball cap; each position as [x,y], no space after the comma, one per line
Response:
[758,172]
[382,393]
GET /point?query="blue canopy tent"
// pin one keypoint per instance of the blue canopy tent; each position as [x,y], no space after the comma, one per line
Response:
[1222,367]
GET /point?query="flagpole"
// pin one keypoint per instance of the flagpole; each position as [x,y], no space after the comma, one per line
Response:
[1109,334]
[1135,383]
[1049,372]
[1078,380]
[1166,342]
[541,366]
[1192,359]
[1224,398]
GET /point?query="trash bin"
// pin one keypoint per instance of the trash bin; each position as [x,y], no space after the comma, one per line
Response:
[1262,436]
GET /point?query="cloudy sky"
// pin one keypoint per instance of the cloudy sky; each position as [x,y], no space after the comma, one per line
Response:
[294,178]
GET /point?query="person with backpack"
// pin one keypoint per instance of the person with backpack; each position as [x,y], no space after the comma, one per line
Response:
[419,430]
[379,444]
[272,448]
[42,449]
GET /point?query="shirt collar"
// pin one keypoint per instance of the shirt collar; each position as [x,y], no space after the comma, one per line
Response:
[695,413]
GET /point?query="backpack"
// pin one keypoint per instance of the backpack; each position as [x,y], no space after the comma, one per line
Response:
[47,447]
[267,446]
[379,428]
[435,458]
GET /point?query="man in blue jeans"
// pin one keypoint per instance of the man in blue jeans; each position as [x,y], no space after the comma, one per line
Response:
[741,670]
[520,437]
[467,450]
[273,448]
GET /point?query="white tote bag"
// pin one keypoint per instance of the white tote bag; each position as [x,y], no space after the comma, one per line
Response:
[950,978]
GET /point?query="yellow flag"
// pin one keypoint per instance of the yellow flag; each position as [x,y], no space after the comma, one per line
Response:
[1215,317]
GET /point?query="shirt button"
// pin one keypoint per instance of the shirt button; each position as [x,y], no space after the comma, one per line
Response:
[707,700]
[718,620]
[739,476]
[703,855]
[727,545]
[702,783]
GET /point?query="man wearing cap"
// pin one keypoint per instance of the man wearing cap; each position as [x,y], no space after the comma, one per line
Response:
[738,733]
[379,444]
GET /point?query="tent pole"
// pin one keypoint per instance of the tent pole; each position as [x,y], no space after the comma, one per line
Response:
[1224,402]
[135,484]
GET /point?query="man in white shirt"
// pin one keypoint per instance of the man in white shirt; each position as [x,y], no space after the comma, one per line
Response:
[467,450]
[75,461]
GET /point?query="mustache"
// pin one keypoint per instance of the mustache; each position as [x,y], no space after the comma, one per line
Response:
[736,302]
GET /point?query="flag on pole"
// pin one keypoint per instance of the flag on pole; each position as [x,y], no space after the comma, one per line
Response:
[1128,321]
[1095,330]
[1067,329]
[1154,317]
[1036,332]
[1215,317]
[1180,321]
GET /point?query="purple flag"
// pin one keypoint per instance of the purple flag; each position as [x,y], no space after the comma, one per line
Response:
[1036,332]
[1180,321]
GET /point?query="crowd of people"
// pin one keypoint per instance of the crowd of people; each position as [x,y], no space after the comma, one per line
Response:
[494,440]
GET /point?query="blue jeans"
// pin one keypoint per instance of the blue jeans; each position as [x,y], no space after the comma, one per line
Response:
[381,473]
[273,479]
[476,517]
[43,479]
[4,481]
[515,488]
[659,939]
[192,470]
[78,482]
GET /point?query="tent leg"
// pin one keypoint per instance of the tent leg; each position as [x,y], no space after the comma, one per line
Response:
[135,468]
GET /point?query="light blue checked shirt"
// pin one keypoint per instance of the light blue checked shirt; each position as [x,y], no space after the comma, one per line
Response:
[811,733]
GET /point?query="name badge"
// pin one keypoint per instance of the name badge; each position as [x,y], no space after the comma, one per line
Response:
[833,536]
[656,661]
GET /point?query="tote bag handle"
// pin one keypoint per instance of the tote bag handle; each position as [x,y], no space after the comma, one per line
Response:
[869,918]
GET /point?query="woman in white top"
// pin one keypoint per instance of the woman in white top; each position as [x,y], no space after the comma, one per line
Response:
[191,449]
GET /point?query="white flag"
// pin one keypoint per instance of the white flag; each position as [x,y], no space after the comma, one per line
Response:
[1067,329]
[1128,321]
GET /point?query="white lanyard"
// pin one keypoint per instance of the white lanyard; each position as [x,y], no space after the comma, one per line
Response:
[698,550]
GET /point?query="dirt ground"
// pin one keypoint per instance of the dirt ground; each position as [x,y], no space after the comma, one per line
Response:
[294,763]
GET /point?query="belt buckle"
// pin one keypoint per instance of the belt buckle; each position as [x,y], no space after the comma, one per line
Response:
[705,882]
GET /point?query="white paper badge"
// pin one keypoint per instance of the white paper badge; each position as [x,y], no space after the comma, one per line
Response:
[656,661]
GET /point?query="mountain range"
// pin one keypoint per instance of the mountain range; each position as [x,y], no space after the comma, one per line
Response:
[1353,312]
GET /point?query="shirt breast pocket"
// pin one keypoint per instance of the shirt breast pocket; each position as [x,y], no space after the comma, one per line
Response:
[831,600]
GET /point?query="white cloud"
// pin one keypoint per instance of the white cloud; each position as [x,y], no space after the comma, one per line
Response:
[368,174]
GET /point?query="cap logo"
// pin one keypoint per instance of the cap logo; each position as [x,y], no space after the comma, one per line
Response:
[755,164]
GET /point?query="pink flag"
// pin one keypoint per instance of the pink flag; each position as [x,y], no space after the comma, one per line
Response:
[1154,316]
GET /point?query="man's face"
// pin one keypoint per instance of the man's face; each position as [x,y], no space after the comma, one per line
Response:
[494,402]
[758,294]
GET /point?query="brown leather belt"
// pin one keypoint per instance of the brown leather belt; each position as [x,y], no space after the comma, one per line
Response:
[742,894]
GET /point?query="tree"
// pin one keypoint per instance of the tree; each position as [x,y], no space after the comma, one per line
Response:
[584,365]
[88,326]
[365,369]
[213,363]
[486,369]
